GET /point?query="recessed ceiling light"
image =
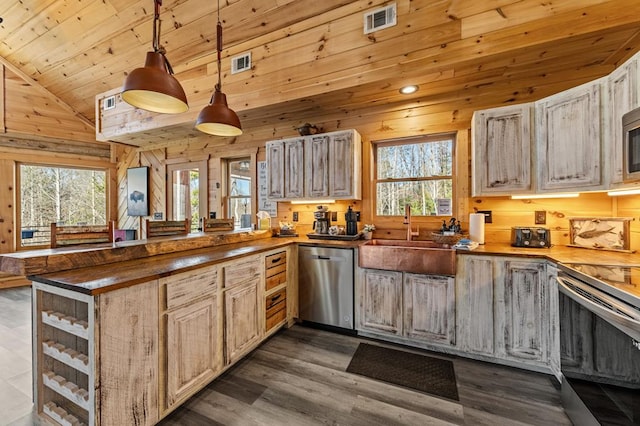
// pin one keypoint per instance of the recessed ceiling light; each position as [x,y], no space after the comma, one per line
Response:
[407,90]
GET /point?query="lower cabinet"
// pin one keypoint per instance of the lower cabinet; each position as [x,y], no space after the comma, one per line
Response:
[508,310]
[380,302]
[242,320]
[413,306]
[429,308]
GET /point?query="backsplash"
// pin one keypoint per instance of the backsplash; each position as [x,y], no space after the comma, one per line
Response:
[506,213]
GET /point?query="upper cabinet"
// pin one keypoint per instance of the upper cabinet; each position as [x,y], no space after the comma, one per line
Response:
[574,145]
[501,143]
[621,97]
[569,142]
[319,166]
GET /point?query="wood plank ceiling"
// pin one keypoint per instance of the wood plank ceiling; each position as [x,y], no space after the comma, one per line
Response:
[311,58]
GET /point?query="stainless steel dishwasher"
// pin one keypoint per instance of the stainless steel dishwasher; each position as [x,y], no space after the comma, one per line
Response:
[326,285]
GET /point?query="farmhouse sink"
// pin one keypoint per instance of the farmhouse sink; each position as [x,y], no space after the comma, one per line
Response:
[418,257]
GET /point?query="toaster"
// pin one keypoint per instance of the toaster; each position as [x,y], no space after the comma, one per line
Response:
[528,236]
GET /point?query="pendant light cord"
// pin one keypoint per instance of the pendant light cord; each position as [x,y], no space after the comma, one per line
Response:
[157,47]
[219,49]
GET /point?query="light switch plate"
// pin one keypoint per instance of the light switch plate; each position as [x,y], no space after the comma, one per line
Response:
[295,216]
[540,217]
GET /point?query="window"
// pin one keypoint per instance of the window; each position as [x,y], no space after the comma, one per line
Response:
[188,191]
[239,191]
[416,171]
[67,196]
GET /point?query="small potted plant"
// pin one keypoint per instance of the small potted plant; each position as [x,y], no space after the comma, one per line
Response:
[368,231]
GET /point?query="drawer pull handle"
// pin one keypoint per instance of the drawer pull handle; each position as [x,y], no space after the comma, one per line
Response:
[276,260]
[276,297]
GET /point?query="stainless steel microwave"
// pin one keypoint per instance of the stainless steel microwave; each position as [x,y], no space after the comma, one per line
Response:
[631,147]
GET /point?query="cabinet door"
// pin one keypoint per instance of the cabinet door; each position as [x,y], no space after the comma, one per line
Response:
[317,166]
[569,140]
[294,168]
[242,319]
[501,149]
[276,170]
[191,348]
[342,178]
[474,304]
[429,308]
[381,302]
[622,97]
[522,310]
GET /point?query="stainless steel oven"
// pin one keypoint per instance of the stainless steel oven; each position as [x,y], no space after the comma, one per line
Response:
[600,343]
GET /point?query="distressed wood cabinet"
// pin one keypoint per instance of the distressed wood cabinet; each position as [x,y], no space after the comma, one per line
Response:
[413,307]
[429,308]
[622,96]
[243,306]
[475,304]
[190,333]
[285,159]
[501,148]
[380,302]
[569,142]
[316,166]
[83,360]
[522,314]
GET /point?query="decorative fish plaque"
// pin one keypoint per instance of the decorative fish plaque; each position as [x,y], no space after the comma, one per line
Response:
[600,233]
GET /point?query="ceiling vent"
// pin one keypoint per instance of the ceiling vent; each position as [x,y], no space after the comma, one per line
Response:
[109,103]
[378,19]
[241,63]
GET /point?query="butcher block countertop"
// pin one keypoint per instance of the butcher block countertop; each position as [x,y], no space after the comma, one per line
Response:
[100,268]
[558,254]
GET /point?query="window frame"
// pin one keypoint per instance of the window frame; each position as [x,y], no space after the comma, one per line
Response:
[203,183]
[107,169]
[412,140]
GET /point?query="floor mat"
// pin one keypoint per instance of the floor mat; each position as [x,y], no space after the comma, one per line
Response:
[419,372]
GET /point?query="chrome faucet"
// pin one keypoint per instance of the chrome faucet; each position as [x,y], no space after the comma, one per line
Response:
[407,221]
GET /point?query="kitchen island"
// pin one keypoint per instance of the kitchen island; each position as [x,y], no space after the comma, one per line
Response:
[129,340]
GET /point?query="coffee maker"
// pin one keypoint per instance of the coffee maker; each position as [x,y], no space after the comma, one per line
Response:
[322,221]
[351,218]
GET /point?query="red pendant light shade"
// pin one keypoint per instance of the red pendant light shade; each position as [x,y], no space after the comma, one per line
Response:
[217,118]
[153,87]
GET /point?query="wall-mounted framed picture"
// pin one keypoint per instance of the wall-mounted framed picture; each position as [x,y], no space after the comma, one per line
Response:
[602,233]
[138,191]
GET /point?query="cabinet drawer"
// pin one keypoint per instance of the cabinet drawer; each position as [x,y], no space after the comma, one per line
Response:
[275,260]
[183,288]
[242,271]
[275,280]
[276,318]
[274,301]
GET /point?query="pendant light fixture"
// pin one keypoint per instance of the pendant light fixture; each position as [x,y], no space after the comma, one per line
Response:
[154,87]
[217,118]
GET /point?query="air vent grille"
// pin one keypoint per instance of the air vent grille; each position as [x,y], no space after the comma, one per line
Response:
[109,103]
[241,63]
[378,19]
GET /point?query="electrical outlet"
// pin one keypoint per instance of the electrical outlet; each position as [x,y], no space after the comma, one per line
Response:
[541,217]
[295,216]
[334,216]
[488,218]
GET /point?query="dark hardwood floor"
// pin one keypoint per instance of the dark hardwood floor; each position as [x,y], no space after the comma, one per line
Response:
[298,378]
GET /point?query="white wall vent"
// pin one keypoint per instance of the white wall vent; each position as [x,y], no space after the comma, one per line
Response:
[109,103]
[241,63]
[378,19]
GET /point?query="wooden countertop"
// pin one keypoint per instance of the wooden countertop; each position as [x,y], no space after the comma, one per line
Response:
[558,254]
[85,273]
[108,277]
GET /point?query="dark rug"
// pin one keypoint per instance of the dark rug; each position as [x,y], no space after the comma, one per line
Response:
[419,372]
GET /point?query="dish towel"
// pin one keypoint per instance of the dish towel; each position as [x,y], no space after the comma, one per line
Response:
[466,244]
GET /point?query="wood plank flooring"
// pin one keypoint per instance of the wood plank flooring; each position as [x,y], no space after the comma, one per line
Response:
[298,378]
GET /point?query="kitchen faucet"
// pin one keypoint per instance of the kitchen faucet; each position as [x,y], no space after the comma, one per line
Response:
[407,221]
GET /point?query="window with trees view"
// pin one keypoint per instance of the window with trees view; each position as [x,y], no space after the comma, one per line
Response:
[418,172]
[67,196]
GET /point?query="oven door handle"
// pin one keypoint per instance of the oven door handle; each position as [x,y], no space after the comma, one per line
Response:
[596,308]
